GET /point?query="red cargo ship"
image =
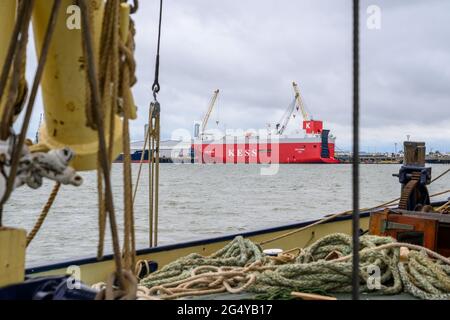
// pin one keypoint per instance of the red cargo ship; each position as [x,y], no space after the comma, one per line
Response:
[310,144]
[317,146]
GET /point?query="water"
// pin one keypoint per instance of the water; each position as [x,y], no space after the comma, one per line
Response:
[200,201]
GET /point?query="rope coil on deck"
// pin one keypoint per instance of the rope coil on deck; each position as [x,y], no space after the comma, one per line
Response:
[325,266]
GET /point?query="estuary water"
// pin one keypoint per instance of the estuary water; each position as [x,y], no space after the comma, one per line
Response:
[200,201]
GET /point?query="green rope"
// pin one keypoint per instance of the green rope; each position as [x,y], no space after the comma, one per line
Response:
[317,271]
[237,253]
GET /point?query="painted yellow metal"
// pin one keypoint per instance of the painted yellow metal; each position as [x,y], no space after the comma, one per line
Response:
[7,20]
[212,102]
[64,84]
[99,271]
[12,256]
[299,100]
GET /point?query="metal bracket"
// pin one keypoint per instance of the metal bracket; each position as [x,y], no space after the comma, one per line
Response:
[389,225]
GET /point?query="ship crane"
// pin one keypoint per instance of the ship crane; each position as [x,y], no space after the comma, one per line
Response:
[296,105]
[310,126]
[282,124]
[212,102]
[299,101]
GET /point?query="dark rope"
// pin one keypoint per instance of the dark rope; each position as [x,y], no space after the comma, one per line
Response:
[29,110]
[20,35]
[156,87]
[135,7]
[355,166]
[103,150]
[21,16]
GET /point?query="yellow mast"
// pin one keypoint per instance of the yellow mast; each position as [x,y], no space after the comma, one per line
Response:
[65,93]
[65,88]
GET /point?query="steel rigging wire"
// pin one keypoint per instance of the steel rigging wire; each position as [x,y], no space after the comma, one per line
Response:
[355,166]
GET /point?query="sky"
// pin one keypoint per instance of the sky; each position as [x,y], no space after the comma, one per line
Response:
[252,51]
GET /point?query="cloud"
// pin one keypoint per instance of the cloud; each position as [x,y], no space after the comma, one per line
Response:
[252,50]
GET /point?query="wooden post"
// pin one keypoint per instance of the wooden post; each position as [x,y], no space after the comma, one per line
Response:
[12,256]
[414,153]
[311,296]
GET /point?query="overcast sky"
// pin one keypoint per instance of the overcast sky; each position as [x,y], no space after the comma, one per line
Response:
[252,51]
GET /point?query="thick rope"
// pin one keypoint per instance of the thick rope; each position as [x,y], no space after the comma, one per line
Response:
[101,212]
[237,253]
[154,136]
[13,44]
[18,80]
[109,291]
[325,266]
[92,77]
[113,79]
[444,208]
[44,213]
[217,279]
[128,64]
[15,59]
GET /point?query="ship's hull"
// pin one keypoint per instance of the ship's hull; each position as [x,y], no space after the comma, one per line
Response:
[247,150]
[263,153]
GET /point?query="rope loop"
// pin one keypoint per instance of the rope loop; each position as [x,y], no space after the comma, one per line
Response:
[324,266]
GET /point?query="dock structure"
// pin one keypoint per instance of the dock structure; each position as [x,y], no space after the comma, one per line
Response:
[438,158]
[376,158]
[391,158]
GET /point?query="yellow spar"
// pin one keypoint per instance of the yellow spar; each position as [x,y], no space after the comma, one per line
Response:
[64,86]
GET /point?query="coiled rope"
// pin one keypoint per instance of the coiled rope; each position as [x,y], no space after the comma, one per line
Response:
[325,266]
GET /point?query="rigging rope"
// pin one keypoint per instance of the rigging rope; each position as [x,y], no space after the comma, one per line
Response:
[108,82]
[127,72]
[44,213]
[101,211]
[355,165]
[24,21]
[97,117]
[340,214]
[441,175]
[141,161]
[154,144]
[117,76]
[15,59]
[156,87]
